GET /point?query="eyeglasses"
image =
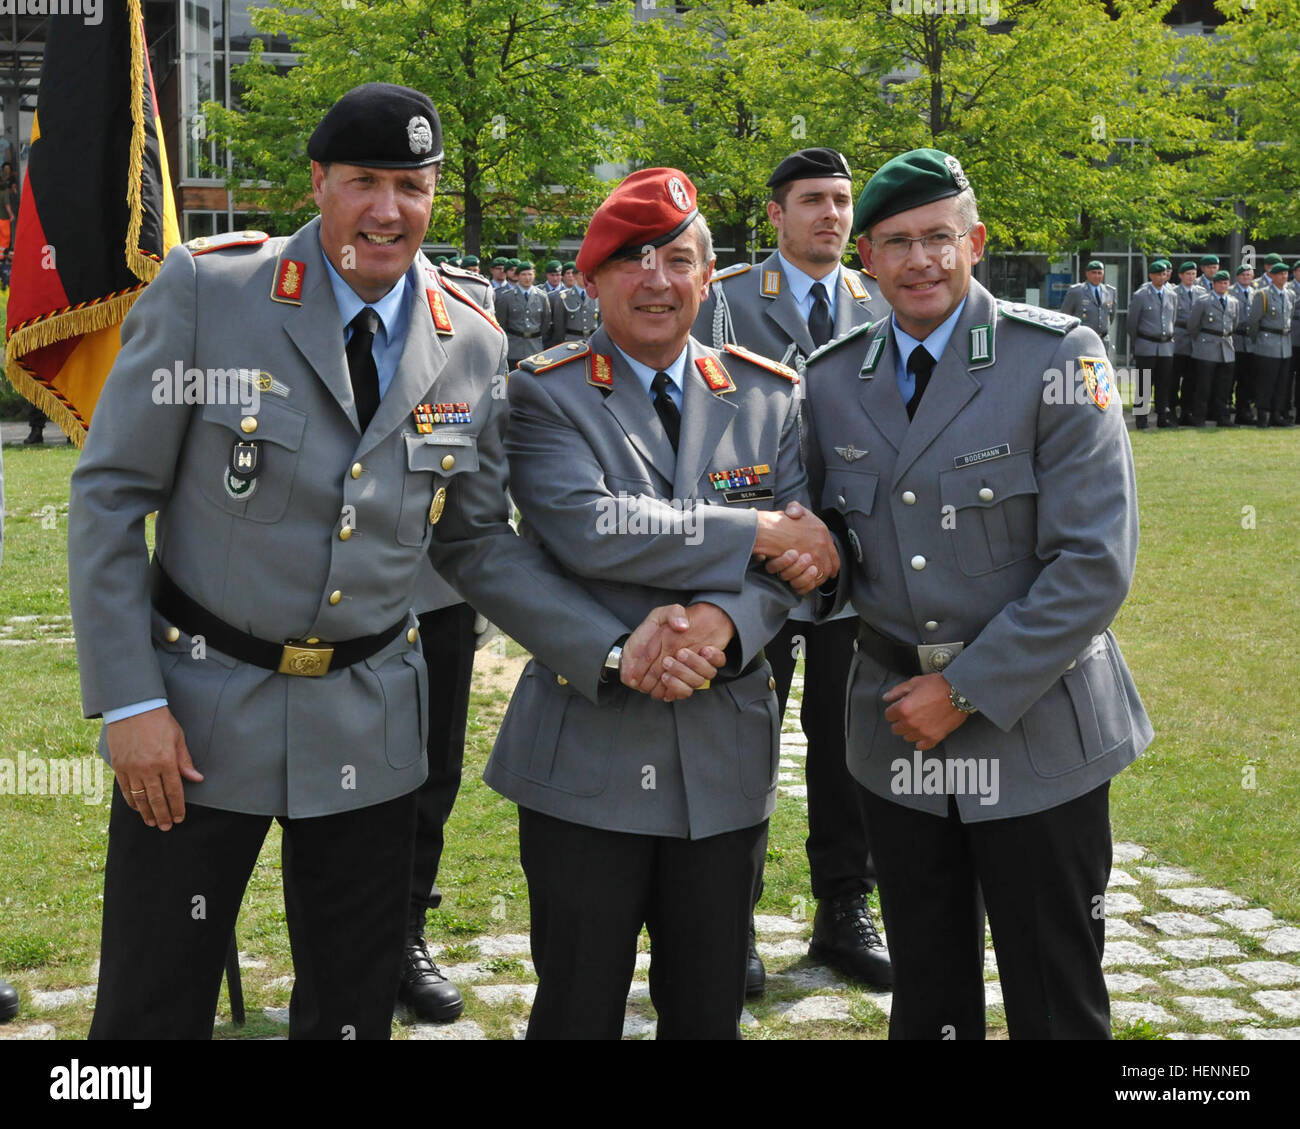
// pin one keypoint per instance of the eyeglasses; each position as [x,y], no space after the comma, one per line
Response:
[898,247]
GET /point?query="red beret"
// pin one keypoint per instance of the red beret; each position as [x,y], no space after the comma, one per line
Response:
[648,209]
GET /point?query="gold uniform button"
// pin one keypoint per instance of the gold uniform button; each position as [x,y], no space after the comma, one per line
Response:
[412,635]
[448,461]
[335,597]
[356,470]
[932,625]
[909,499]
[173,633]
[559,678]
[771,683]
[986,495]
[312,641]
[248,425]
[345,533]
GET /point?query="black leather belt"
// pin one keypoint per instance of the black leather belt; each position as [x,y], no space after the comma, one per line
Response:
[1148,337]
[299,657]
[925,658]
[1214,333]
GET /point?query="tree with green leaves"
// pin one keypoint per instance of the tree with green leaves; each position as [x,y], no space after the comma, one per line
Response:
[528,92]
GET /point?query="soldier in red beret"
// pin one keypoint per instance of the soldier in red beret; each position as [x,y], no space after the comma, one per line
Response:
[658,473]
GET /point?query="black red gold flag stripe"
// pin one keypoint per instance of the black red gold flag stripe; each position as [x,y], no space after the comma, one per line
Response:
[96,216]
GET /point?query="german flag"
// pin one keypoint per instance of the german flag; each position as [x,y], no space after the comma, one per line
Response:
[96,217]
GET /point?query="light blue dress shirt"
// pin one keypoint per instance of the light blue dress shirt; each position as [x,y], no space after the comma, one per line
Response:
[935,344]
[645,374]
[801,285]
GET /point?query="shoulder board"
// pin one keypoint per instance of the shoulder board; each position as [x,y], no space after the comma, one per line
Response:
[1049,320]
[763,362]
[835,343]
[205,243]
[461,272]
[456,292]
[555,356]
[855,286]
[730,272]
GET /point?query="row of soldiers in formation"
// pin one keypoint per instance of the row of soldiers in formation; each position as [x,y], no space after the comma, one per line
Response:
[1208,347]
[535,317]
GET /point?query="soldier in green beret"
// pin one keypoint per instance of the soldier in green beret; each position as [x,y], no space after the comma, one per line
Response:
[1209,268]
[973,455]
[1183,381]
[1093,301]
[498,270]
[525,315]
[1243,376]
[1151,313]
[553,281]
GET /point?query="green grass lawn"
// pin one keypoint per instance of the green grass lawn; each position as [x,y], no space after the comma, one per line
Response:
[1210,632]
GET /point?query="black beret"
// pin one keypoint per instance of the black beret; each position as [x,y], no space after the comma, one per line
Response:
[810,164]
[910,180]
[379,126]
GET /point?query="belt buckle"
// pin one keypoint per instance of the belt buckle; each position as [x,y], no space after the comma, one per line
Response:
[934,657]
[306,660]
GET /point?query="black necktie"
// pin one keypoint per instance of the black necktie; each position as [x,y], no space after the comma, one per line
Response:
[1223,301]
[920,364]
[361,365]
[1097,291]
[665,409]
[819,320]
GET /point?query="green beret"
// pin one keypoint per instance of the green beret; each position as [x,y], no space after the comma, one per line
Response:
[512,262]
[440,259]
[1295,266]
[500,261]
[1273,258]
[1095,264]
[553,265]
[1222,276]
[1188,264]
[1209,260]
[908,181]
[1279,268]
[570,265]
[525,264]
[1158,265]
[469,260]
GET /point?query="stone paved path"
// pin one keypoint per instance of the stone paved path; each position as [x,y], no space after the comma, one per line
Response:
[1190,960]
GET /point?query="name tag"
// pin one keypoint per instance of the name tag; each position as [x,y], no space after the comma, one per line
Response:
[759,494]
[982,456]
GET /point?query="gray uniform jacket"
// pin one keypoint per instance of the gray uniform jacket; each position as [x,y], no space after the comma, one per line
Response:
[1294,287]
[431,590]
[1004,517]
[1269,325]
[525,315]
[598,484]
[574,315]
[1187,297]
[751,306]
[1240,338]
[1151,315]
[1211,327]
[1080,302]
[274,562]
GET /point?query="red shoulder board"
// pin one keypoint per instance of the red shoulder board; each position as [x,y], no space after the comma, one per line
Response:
[456,292]
[715,376]
[441,319]
[600,371]
[288,282]
[207,243]
[764,362]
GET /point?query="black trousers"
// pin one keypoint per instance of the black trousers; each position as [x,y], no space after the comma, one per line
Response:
[838,857]
[1220,389]
[1150,387]
[590,891]
[447,639]
[1271,386]
[1183,386]
[171,899]
[1243,385]
[1166,390]
[1042,879]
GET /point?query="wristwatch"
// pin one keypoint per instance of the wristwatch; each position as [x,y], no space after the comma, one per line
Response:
[613,662]
[960,701]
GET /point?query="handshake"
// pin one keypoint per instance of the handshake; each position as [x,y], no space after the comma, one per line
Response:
[677,650]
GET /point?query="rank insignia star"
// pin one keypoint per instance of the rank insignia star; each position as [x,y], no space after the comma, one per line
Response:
[849,454]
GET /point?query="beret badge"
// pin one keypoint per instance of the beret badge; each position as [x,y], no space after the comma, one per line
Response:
[420,135]
[954,167]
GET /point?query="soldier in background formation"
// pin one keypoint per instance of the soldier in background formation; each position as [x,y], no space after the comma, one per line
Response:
[1270,329]
[574,313]
[1243,392]
[524,312]
[1183,376]
[1093,302]
[1151,314]
[1210,326]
